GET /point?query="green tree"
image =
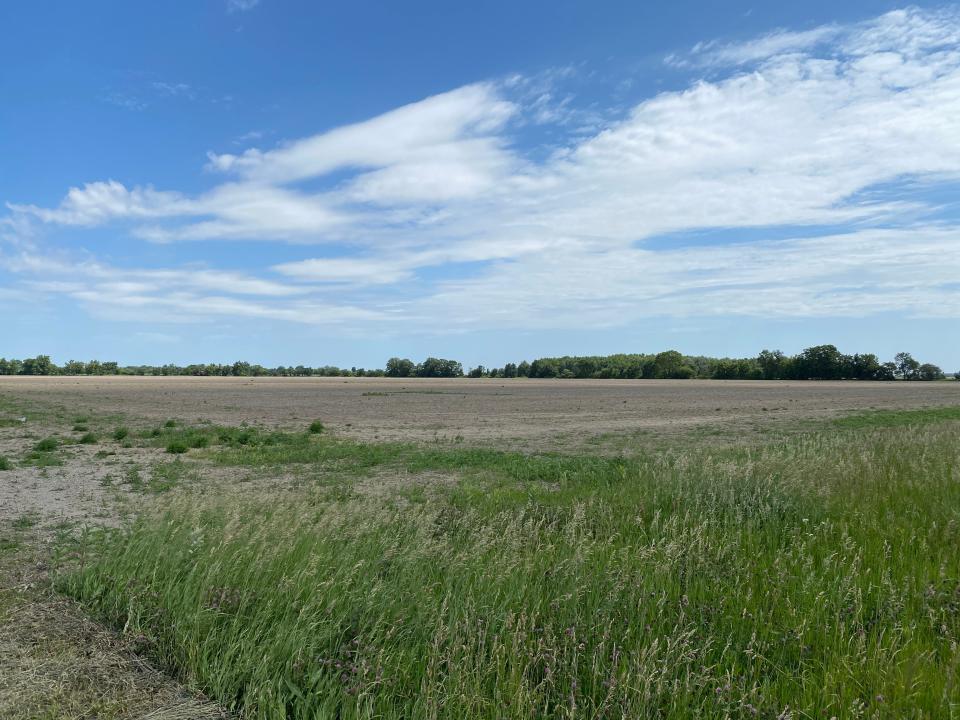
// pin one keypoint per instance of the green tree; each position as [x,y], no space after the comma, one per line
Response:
[928,371]
[821,362]
[669,364]
[477,372]
[907,367]
[40,365]
[400,367]
[74,367]
[439,367]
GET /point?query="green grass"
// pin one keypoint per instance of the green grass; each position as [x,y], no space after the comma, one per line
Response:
[120,433]
[8,545]
[47,445]
[177,447]
[89,439]
[898,418]
[818,573]
[5,463]
[316,427]
[26,521]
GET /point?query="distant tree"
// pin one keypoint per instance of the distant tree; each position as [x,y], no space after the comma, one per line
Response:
[74,367]
[438,367]
[772,364]
[669,364]
[821,362]
[907,367]
[523,369]
[887,371]
[928,371]
[544,368]
[509,370]
[400,367]
[477,372]
[865,367]
[40,365]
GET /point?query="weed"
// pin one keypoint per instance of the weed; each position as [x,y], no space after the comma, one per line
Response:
[120,433]
[8,545]
[80,427]
[25,521]
[5,463]
[316,427]
[89,439]
[47,445]
[166,476]
[177,447]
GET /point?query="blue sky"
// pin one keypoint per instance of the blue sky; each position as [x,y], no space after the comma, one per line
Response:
[296,182]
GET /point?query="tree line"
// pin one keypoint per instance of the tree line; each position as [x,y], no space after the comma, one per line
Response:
[821,362]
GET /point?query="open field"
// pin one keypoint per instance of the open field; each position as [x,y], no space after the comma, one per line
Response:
[520,413]
[478,549]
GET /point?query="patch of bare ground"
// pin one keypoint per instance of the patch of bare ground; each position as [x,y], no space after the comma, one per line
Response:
[55,661]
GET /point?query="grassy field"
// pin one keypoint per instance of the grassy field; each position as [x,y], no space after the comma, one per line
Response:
[811,575]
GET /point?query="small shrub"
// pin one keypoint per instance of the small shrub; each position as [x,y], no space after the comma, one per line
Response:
[199,441]
[47,445]
[80,427]
[89,439]
[316,427]
[5,463]
[177,447]
[120,433]
[170,423]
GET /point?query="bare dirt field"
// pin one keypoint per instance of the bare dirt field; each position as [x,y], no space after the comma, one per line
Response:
[528,414]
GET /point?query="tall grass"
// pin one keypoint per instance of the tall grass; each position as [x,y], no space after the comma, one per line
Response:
[814,577]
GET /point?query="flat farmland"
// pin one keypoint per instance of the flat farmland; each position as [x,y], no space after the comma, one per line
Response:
[274,548]
[517,413]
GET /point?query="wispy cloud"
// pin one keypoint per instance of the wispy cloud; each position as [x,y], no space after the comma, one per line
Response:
[235,6]
[174,89]
[909,31]
[397,200]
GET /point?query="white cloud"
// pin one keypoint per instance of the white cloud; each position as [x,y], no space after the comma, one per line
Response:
[849,275]
[822,117]
[908,31]
[174,89]
[99,202]
[234,6]
[453,129]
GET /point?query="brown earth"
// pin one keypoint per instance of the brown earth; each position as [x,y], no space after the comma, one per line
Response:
[528,414]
